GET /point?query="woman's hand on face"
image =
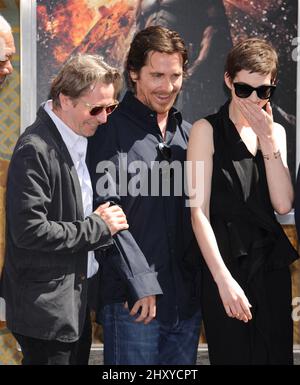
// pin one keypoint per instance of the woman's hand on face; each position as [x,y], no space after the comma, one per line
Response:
[260,120]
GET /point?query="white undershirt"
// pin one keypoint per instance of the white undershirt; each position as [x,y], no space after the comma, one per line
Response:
[77,146]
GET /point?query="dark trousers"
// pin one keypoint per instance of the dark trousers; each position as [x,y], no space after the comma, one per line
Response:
[43,352]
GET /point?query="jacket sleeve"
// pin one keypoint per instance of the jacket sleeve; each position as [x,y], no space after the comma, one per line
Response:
[130,261]
[31,217]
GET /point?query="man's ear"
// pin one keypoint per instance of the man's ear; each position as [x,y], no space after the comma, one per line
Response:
[227,80]
[66,102]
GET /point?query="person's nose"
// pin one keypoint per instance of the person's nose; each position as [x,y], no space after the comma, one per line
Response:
[253,97]
[7,68]
[102,117]
[167,85]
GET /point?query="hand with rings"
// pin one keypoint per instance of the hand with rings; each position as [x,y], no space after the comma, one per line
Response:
[234,299]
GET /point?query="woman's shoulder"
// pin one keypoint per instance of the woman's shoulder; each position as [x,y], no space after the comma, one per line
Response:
[202,126]
[279,133]
[202,136]
[278,129]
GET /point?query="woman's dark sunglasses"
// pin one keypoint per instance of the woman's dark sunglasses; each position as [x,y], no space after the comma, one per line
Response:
[95,110]
[243,90]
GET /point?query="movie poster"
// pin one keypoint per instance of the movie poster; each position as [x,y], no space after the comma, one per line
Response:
[209,28]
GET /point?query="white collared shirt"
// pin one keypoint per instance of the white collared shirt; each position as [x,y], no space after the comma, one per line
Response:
[77,147]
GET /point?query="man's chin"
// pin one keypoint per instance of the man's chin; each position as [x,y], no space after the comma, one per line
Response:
[163,108]
[91,132]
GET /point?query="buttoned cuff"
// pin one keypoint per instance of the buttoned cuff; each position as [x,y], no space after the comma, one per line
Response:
[143,285]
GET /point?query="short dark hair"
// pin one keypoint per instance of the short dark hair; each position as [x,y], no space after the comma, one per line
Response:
[79,74]
[253,55]
[157,39]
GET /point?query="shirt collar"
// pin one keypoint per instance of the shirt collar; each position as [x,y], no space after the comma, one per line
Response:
[72,140]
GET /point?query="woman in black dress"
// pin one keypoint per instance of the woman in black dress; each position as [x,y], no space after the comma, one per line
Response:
[246,291]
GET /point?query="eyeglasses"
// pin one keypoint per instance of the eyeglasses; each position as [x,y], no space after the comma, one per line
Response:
[165,150]
[243,90]
[95,110]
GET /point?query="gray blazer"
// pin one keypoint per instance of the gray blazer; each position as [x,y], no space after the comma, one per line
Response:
[44,279]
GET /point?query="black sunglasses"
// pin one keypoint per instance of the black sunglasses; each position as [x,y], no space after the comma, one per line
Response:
[95,110]
[165,150]
[243,90]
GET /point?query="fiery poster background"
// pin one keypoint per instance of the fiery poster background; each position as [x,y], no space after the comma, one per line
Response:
[209,28]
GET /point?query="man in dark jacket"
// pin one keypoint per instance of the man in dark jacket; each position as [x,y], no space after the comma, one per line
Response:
[137,161]
[51,227]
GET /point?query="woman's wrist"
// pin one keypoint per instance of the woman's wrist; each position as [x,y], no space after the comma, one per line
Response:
[268,145]
[221,276]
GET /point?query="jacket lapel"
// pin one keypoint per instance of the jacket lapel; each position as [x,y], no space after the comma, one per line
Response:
[64,153]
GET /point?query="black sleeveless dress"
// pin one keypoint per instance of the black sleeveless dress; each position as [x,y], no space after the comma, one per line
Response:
[256,252]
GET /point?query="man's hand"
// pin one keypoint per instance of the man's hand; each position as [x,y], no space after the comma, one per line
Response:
[113,216]
[148,309]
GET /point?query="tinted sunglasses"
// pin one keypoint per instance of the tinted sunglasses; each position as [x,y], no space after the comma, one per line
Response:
[95,110]
[243,90]
[165,150]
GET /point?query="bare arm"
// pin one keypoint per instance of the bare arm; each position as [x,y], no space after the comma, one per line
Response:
[272,138]
[201,148]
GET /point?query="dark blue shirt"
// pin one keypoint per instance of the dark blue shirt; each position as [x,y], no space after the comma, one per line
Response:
[159,222]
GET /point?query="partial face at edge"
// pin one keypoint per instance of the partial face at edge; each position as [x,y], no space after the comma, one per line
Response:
[7,50]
